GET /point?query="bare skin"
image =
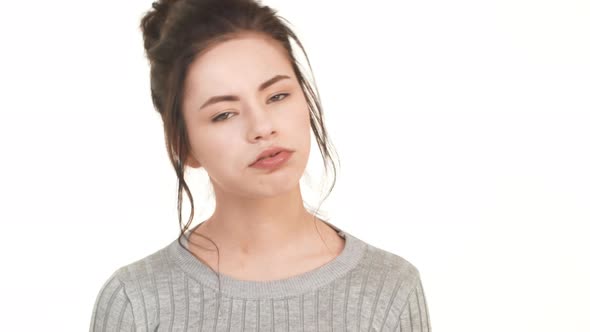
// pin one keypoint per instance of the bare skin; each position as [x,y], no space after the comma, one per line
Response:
[295,258]
[260,224]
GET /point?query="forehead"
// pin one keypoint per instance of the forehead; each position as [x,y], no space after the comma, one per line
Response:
[236,64]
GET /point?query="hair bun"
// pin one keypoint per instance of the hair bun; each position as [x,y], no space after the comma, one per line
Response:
[152,23]
[160,5]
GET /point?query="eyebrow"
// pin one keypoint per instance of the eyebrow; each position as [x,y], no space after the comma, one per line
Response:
[264,85]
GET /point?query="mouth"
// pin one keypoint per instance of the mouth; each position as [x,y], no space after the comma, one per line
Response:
[273,161]
[270,153]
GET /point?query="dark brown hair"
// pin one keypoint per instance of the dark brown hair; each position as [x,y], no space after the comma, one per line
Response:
[175,32]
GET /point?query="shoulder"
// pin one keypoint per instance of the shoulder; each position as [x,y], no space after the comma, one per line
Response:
[131,289]
[381,261]
[139,279]
[408,301]
[142,278]
[389,272]
[399,284]
[137,271]
[146,268]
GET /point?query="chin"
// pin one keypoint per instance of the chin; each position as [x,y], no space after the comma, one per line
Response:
[274,184]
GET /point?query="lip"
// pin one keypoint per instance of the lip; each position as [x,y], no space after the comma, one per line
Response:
[275,162]
[270,151]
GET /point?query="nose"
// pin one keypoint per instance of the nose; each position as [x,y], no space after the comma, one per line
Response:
[260,125]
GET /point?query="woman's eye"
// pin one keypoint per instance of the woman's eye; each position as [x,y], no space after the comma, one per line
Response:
[220,117]
[276,97]
[223,116]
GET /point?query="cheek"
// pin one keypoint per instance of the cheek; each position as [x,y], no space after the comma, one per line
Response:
[299,113]
[213,148]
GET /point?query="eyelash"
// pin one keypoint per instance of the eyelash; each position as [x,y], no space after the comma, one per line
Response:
[217,118]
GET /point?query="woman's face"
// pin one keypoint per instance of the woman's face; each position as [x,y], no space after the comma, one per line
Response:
[227,134]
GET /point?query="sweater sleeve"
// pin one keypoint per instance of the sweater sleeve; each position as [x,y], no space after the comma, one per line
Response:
[414,317]
[112,308]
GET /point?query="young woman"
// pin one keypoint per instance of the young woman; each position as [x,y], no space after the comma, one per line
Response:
[234,101]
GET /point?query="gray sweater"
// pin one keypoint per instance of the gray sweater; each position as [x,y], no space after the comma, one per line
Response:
[363,289]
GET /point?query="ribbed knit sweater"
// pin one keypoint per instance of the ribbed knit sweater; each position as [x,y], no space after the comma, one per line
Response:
[363,289]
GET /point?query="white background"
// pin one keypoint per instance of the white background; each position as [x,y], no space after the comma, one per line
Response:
[462,129]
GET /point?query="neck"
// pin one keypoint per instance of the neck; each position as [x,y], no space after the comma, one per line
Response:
[261,227]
